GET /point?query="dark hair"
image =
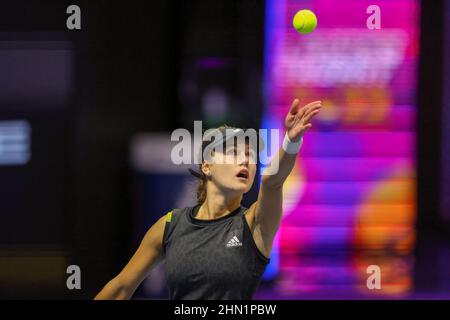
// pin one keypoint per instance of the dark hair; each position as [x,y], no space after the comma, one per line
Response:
[201,189]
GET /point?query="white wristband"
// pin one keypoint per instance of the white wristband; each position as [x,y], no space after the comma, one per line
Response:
[291,147]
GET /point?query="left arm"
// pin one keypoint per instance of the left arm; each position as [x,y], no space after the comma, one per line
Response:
[266,212]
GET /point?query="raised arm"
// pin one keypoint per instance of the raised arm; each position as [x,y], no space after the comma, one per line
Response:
[148,254]
[267,210]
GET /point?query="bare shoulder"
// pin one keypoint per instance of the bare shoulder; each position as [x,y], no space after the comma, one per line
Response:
[155,234]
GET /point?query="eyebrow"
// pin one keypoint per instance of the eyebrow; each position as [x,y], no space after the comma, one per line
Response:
[247,150]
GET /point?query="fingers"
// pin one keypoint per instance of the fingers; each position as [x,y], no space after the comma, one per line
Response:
[294,106]
[314,102]
[306,112]
[309,113]
[309,107]
[306,119]
[305,128]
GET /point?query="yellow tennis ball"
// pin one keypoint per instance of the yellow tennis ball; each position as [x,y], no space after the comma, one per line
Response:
[305,21]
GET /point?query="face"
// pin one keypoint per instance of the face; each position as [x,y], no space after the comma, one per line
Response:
[233,170]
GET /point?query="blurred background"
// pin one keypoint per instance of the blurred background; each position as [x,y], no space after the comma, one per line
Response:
[86,118]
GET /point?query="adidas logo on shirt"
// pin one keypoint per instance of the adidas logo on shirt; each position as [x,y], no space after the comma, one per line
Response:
[234,242]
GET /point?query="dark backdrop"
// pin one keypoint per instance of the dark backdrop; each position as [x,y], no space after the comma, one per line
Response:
[129,62]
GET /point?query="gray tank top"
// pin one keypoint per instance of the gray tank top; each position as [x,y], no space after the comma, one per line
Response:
[211,259]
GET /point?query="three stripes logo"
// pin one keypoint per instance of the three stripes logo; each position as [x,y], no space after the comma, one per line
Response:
[234,242]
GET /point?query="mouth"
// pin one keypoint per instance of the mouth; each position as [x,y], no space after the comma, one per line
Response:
[243,174]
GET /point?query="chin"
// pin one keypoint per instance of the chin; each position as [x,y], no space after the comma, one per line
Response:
[244,188]
[240,188]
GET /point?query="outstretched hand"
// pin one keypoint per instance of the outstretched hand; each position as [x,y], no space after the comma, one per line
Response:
[298,120]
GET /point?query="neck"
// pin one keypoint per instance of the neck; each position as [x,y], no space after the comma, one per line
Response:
[217,204]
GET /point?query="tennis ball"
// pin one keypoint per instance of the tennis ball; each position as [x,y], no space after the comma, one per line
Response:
[305,21]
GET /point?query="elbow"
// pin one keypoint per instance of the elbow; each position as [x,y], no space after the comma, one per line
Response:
[122,290]
[115,289]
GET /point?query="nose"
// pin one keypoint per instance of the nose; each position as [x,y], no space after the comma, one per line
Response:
[243,159]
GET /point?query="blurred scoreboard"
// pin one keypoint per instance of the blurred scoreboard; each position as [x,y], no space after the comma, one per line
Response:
[350,201]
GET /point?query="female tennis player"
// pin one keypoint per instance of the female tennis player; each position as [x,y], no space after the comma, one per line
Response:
[218,249]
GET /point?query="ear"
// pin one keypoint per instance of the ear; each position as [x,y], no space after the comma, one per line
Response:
[205,169]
